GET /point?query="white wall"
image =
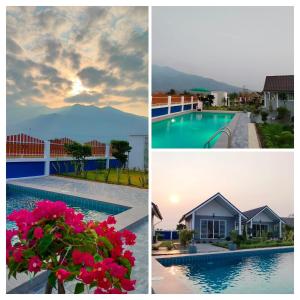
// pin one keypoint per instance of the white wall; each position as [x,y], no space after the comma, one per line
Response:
[214,208]
[138,156]
[262,217]
[219,97]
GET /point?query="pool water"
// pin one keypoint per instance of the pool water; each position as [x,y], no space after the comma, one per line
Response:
[18,197]
[267,272]
[190,130]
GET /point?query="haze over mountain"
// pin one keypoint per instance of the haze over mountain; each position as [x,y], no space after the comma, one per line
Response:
[166,78]
[82,123]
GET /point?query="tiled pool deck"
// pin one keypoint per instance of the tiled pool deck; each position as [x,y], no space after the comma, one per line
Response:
[137,214]
[161,277]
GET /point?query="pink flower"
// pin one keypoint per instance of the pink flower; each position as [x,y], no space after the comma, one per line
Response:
[127,284]
[86,276]
[34,264]
[111,220]
[38,233]
[129,237]
[128,254]
[18,255]
[77,257]
[21,217]
[117,270]
[62,275]
[83,258]
[9,235]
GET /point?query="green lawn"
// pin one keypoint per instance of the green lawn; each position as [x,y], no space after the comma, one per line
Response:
[276,135]
[130,178]
[257,244]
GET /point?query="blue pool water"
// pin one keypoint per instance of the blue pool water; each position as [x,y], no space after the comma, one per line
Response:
[18,197]
[190,130]
[255,272]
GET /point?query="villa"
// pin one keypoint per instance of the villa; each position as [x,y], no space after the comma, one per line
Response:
[279,92]
[216,217]
[155,214]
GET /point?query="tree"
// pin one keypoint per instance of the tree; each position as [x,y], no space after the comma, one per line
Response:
[79,153]
[264,116]
[171,92]
[180,226]
[185,236]
[120,150]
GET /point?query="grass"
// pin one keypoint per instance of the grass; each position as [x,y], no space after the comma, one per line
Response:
[252,244]
[125,177]
[276,135]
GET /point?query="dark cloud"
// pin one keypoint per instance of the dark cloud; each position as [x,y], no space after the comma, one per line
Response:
[49,17]
[92,77]
[12,46]
[84,98]
[91,15]
[53,50]
[74,58]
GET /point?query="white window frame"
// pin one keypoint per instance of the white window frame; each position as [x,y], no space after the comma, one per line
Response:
[219,220]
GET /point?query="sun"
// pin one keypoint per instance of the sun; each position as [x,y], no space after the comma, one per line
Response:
[174,198]
[77,87]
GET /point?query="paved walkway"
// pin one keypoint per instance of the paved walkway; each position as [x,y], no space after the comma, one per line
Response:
[201,248]
[252,136]
[240,133]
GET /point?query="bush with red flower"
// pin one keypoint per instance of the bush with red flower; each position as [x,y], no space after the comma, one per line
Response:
[54,237]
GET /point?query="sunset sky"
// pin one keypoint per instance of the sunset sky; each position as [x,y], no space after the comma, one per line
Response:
[59,56]
[181,181]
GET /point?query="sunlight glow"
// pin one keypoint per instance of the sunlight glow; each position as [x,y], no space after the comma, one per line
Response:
[77,87]
[174,199]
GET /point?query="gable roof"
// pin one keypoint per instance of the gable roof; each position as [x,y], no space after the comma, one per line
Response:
[156,211]
[209,200]
[281,83]
[254,212]
[288,221]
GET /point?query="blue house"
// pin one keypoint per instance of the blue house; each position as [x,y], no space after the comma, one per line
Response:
[216,217]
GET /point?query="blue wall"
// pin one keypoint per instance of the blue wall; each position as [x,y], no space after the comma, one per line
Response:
[187,107]
[114,163]
[24,169]
[156,112]
[166,234]
[176,108]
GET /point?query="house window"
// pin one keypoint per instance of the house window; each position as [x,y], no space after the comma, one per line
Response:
[259,230]
[212,229]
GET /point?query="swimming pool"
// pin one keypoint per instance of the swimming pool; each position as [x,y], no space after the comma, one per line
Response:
[251,272]
[19,197]
[190,130]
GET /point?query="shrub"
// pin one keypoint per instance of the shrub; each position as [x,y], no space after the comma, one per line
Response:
[55,238]
[227,238]
[185,237]
[282,113]
[168,244]
[264,116]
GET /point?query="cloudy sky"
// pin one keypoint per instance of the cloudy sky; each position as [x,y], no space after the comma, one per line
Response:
[236,45]
[181,181]
[59,56]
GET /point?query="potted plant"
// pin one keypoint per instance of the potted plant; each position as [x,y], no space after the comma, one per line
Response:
[55,238]
[186,237]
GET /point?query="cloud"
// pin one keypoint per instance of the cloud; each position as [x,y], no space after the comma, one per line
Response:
[84,98]
[74,58]
[12,46]
[53,50]
[92,77]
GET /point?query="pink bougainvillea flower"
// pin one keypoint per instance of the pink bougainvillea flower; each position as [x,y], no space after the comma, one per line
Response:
[127,284]
[9,235]
[62,275]
[111,220]
[129,237]
[21,217]
[18,255]
[77,257]
[38,233]
[85,276]
[57,235]
[34,264]
[49,209]
[82,258]
[130,257]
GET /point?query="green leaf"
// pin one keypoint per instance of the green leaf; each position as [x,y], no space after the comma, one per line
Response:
[79,288]
[125,262]
[28,253]
[52,279]
[106,243]
[98,257]
[44,243]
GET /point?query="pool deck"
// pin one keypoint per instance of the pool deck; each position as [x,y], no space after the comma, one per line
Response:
[161,276]
[135,198]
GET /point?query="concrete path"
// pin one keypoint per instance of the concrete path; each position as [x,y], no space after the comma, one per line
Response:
[253,141]
[240,133]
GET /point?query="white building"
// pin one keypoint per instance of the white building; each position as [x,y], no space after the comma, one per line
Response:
[138,156]
[220,98]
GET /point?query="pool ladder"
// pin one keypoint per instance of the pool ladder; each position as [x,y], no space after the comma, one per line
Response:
[221,130]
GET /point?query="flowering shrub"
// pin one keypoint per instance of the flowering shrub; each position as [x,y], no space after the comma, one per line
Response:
[54,237]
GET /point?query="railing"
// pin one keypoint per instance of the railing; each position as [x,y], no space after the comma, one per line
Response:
[159,100]
[24,146]
[226,130]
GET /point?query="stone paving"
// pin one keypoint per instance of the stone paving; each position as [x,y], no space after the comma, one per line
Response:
[240,133]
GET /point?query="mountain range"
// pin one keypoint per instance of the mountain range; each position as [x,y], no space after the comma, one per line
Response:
[82,123]
[166,78]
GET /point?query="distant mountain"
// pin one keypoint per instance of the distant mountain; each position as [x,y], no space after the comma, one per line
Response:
[166,78]
[83,123]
